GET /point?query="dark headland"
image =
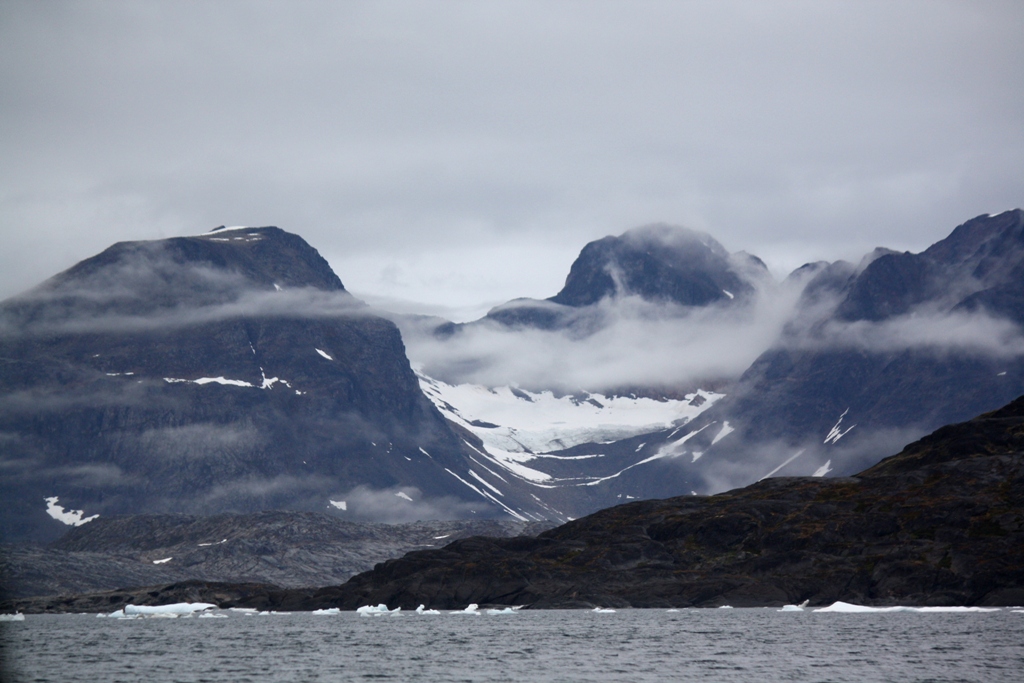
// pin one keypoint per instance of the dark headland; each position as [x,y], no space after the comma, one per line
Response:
[941,523]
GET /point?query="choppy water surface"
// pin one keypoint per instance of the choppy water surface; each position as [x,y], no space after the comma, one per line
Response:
[761,645]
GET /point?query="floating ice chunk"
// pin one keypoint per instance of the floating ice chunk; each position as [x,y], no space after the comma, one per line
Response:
[324,354]
[507,610]
[340,504]
[163,561]
[603,610]
[857,609]
[370,610]
[69,517]
[402,495]
[672,610]
[211,615]
[17,616]
[423,610]
[791,608]
[470,609]
[176,608]
[725,607]
[243,610]
[330,611]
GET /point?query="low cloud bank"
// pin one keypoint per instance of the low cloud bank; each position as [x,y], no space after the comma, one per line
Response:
[626,342]
[400,504]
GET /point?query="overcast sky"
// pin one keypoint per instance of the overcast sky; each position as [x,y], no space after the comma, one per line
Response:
[461,153]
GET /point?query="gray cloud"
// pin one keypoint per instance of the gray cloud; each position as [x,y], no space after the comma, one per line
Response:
[400,504]
[629,342]
[463,153]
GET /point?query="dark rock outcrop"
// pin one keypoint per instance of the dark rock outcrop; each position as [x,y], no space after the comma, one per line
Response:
[287,549]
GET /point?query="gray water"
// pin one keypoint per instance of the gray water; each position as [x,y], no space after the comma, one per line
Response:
[761,645]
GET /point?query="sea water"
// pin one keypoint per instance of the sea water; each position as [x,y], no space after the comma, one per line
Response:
[762,645]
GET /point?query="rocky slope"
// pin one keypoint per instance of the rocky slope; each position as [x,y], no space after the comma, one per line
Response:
[940,523]
[288,549]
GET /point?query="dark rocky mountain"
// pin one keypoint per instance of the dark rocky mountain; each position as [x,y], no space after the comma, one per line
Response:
[883,352]
[876,355]
[228,372]
[658,263]
[941,523]
[287,549]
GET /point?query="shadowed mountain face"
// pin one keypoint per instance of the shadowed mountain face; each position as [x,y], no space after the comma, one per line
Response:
[899,345]
[228,372]
[942,523]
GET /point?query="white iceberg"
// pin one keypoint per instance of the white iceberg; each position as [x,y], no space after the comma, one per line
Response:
[177,608]
[507,610]
[243,610]
[791,608]
[423,610]
[848,608]
[471,609]
[212,615]
[17,616]
[371,611]
[327,612]
[603,610]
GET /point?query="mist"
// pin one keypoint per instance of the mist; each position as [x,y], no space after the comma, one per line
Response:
[620,342]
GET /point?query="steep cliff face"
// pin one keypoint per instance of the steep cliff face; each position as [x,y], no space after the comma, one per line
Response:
[940,523]
[225,372]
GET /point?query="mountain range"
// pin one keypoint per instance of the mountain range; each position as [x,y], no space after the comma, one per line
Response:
[231,372]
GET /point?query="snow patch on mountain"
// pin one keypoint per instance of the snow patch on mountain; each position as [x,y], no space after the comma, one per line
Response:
[69,517]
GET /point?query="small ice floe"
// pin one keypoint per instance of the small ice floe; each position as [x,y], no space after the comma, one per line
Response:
[330,611]
[17,616]
[212,615]
[791,608]
[422,609]
[603,610]
[243,610]
[472,608]
[725,607]
[848,608]
[507,610]
[177,609]
[371,611]
[672,610]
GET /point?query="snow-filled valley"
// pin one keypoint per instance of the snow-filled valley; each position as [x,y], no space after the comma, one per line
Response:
[524,433]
